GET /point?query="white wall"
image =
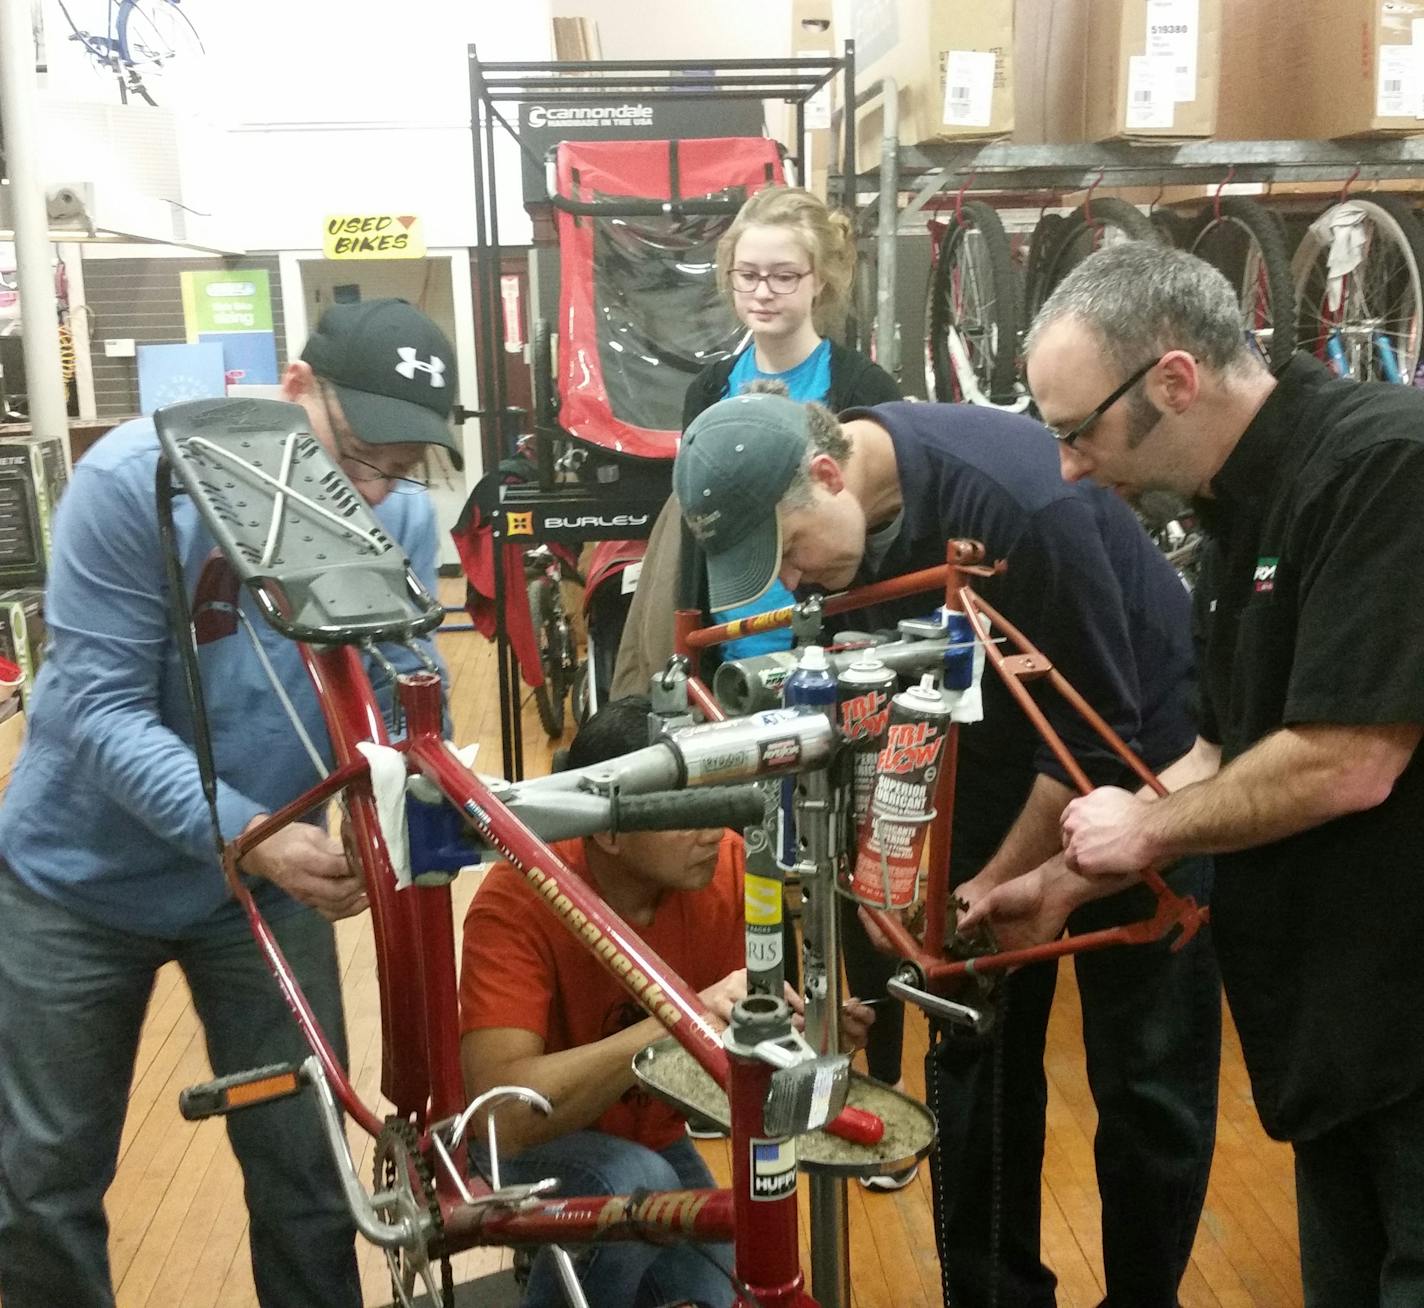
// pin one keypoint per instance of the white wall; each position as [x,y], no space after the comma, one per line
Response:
[686,29]
[359,108]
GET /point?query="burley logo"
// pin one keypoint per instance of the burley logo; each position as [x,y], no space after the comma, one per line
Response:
[1265,576]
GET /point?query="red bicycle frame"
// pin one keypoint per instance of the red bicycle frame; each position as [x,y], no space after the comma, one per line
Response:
[964,560]
[415,953]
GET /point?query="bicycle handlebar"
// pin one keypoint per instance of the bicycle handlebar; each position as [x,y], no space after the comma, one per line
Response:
[685,810]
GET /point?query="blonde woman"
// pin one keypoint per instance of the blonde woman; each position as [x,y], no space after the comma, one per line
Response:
[785,264]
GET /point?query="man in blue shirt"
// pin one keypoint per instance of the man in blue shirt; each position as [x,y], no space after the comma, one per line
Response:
[769,488]
[106,861]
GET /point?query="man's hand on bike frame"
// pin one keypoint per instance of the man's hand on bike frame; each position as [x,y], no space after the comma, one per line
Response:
[311,866]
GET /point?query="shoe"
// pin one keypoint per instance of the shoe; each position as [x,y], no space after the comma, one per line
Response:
[702,1128]
[887,1181]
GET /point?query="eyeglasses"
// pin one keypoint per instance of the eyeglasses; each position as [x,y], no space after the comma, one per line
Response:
[361,470]
[1070,438]
[781,282]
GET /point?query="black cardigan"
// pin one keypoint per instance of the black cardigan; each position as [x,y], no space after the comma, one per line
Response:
[855,383]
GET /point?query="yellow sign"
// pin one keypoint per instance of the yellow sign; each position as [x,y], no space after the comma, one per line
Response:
[373,236]
[520,524]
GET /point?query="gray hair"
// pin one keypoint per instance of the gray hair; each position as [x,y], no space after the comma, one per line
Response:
[824,435]
[1143,299]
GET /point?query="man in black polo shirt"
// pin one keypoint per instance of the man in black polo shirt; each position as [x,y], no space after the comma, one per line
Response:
[768,487]
[1312,607]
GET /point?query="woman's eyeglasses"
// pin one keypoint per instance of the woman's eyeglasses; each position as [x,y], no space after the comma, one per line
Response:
[781,282]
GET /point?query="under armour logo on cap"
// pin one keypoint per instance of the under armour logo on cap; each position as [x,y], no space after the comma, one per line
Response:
[411,362]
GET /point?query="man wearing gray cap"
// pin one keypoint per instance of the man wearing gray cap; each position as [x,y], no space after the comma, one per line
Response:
[106,860]
[768,488]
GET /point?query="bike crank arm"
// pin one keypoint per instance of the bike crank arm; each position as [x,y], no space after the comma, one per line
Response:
[975,1019]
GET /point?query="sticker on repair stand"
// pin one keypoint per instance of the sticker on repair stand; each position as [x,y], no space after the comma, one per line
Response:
[773,1169]
[781,753]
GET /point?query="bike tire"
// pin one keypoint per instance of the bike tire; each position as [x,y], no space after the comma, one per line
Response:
[548,622]
[1086,230]
[1173,229]
[1045,236]
[993,342]
[1402,229]
[1247,243]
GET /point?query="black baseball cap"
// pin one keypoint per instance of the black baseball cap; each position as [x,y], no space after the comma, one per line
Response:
[391,368]
[736,461]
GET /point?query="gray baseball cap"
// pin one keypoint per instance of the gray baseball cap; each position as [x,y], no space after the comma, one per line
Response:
[736,460]
[391,368]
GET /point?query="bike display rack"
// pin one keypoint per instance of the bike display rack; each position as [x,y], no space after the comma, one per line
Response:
[892,197]
[577,513]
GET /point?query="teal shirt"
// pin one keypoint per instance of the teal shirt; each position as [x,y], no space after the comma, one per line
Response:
[809,380]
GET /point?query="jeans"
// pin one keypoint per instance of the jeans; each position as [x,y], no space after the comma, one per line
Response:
[1360,1203]
[624,1274]
[1152,1036]
[74,996]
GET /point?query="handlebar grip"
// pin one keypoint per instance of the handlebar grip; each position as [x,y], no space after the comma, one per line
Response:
[680,810]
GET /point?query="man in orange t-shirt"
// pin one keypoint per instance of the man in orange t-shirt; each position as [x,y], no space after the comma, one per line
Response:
[539,1010]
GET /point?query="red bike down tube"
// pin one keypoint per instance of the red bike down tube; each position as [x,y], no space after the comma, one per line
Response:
[964,561]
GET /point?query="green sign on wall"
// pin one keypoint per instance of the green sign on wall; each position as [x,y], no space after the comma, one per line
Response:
[223,301]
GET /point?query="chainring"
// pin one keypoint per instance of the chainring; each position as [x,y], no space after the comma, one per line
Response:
[399,1170]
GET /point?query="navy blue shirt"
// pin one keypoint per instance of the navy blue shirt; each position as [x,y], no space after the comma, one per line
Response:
[1084,584]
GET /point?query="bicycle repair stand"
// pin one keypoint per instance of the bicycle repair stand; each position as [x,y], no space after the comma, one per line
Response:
[905,1132]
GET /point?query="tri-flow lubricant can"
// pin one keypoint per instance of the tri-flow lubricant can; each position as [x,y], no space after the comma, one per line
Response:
[887,865]
[811,686]
[863,692]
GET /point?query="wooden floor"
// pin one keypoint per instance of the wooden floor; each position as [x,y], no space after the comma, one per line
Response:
[178,1225]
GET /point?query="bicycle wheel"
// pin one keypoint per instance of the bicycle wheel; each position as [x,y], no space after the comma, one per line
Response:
[1172,228]
[974,294]
[551,632]
[1093,227]
[1247,242]
[154,33]
[1364,318]
[1045,234]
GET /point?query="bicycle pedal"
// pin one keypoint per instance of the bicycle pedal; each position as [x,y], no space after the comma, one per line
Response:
[226,1094]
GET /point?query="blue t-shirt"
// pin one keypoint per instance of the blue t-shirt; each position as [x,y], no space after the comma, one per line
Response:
[105,813]
[809,380]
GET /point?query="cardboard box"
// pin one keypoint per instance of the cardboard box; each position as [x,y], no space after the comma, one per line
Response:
[953,64]
[1100,70]
[1317,69]
[22,634]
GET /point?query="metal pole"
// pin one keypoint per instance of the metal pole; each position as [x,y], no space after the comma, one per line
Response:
[887,325]
[38,309]
[821,976]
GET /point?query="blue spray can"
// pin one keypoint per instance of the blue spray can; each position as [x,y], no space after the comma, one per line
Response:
[811,685]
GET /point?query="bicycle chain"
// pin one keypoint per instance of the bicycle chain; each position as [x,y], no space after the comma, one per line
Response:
[385,1178]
